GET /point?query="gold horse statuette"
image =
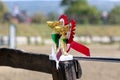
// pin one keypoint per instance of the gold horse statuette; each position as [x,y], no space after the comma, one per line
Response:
[59,35]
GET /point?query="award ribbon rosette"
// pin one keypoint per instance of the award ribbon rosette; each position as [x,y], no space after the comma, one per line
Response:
[62,36]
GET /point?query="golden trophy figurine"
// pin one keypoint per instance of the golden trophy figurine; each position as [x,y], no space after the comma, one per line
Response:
[59,35]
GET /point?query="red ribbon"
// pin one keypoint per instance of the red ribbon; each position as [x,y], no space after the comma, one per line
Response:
[80,48]
[59,54]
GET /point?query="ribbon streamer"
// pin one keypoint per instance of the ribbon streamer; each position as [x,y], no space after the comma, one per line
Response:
[80,48]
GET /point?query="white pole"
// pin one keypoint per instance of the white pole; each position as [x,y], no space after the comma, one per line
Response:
[12,36]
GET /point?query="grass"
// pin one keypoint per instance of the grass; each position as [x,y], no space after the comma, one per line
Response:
[44,31]
[27,30]
[98,30]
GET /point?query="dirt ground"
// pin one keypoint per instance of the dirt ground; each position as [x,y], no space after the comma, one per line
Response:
[91,70]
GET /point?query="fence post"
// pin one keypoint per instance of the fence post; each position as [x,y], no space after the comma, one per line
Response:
[12,36]
[66,71]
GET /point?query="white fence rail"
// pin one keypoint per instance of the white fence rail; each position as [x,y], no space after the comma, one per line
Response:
[22,40]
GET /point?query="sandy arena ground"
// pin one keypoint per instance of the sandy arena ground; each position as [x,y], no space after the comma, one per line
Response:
[91,70]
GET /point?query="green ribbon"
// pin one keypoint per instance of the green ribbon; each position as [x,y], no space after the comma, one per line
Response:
[55,38]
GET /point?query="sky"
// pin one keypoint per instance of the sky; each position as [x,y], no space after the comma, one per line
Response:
[58,0]
[46,6]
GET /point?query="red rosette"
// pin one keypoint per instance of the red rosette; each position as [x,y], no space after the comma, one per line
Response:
[63,18]
[70,36]
[72,31]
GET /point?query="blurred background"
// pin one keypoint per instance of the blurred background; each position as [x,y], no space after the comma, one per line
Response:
[98,27]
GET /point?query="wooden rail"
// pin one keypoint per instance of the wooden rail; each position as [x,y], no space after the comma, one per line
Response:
[68,70]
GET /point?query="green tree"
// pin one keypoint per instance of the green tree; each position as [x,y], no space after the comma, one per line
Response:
[52,16]
[114,15]
[67,2]
[3,9]
[81,11]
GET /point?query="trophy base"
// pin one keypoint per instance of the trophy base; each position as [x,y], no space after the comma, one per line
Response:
[66,58]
